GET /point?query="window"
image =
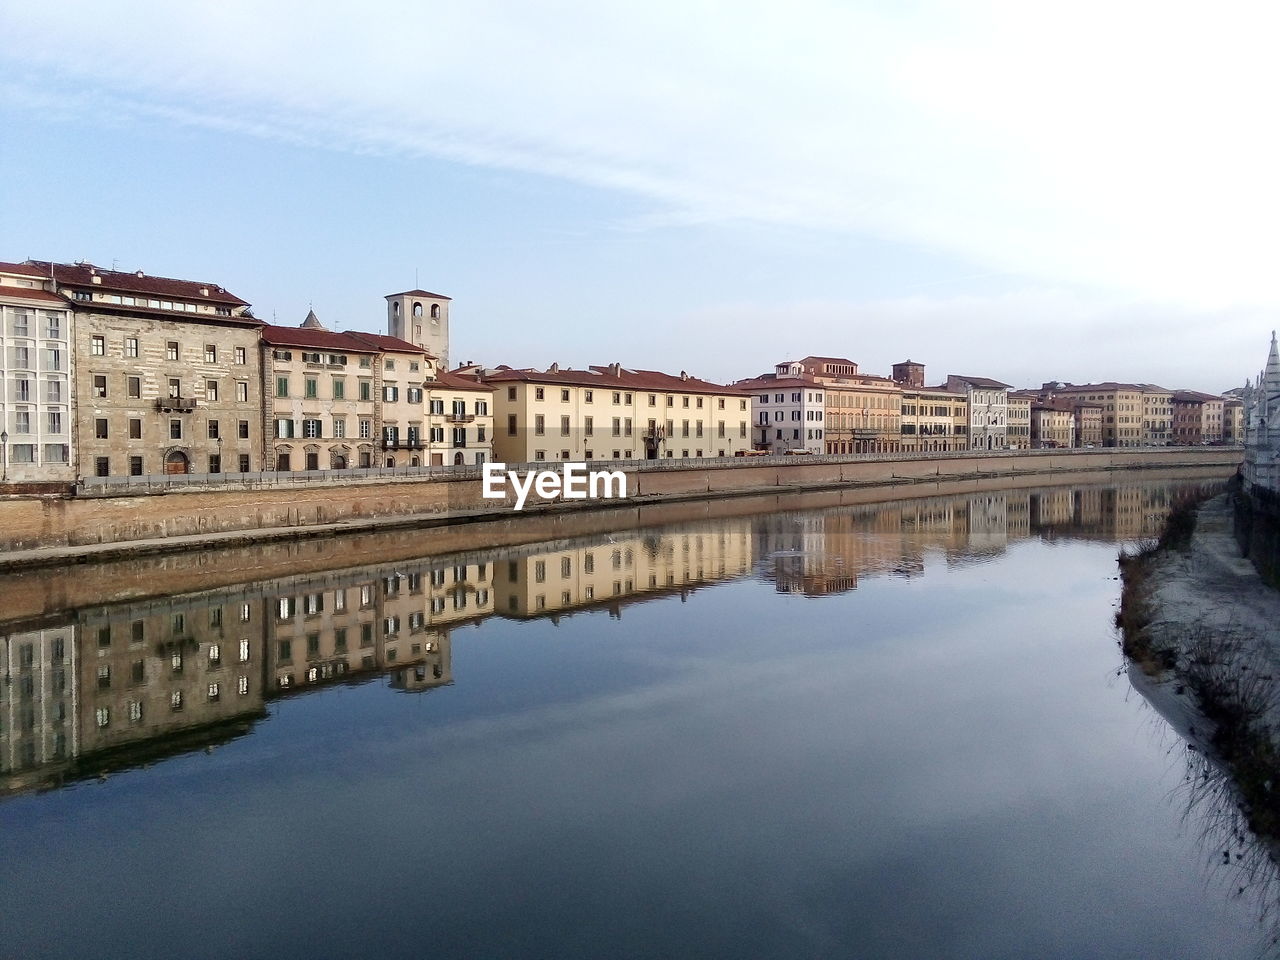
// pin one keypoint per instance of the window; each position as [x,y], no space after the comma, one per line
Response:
[100,386]
[366,390]
[102,466]
[282,386]
[175,389]
[210,353]
[242,429]
[241,357]
[311,429]
[511,425]
[511,393]
[22,422]
[564,426]
[55,421]
[211,389]
[171,350]
[339,427]
[339,388]
[564,396]
[133,387]
[100,428]
[98,345]
[175,429]
[242,391]
[213,434]
[539,425]
[539,393]
[53,359]
[390,394]
[311,390]
[243,463]
[366,429]
[135,466]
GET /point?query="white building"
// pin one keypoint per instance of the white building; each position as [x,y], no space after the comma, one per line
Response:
[37,432]
[786,412]
[988,410]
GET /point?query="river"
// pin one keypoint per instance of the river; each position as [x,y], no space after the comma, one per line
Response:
[899,730]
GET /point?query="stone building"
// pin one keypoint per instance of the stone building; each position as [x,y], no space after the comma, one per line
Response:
[1197,418]
[863,412]
[788,413]
[1157,415]
[1053,425]
[322,390]
[37,370]
[1019,432]
[612,413]
[421,318]
[459,419]
[167,374]
[934,419]
[988,403]
[1232,420]
[1122,407]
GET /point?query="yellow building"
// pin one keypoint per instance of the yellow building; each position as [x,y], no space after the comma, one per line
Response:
[1122,406]
[612,413]
[1019,432]
[934,419]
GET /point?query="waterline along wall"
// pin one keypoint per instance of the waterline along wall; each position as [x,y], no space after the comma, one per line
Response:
[303,507]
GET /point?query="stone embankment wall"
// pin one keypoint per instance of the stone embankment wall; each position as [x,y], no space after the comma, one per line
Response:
[28,522]
[1257,529]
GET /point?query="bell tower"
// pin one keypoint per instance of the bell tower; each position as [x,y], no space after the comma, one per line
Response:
[422,318]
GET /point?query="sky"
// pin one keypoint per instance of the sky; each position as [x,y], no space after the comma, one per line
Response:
[1029,192]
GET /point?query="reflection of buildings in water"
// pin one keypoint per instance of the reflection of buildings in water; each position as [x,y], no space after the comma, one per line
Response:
[117,685]
[533,582]
[37,702]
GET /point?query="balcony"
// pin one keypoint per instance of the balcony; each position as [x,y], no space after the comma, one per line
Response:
[404,444]
[459,417]
[175,404]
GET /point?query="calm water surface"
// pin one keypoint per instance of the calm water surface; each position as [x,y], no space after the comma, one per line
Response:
[893,731]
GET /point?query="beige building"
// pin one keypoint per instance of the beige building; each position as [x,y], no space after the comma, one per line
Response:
[1122,407]
[863,413]
[1053,425]
[1157,415]
[168,376]
[612,413]
[37,369]
[1232,420]
[934,419]
[459,420]
[322,390]
[1019,433]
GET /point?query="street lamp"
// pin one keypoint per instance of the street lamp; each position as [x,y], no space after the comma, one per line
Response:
[4,452]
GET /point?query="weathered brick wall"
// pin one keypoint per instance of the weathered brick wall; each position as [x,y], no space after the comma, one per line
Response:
[27,522]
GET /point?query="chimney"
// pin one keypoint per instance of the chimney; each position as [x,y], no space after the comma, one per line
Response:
[204,291]
[683,375]
[615,369]
[554,368]
[139,274]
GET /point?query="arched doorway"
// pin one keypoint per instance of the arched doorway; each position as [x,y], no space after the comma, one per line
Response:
[457,459]
[338,462]
[176,462]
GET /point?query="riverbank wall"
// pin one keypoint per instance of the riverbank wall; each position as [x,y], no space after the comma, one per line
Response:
[1201,623]
[182,517]
[1257,528]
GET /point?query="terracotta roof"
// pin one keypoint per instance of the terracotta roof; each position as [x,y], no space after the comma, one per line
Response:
[598,376]
[30,293]
[1192,396]
[26,269]
[842,360]
[1097,387]
[381,342]
[179,316]
[419,293]
[982,383]
[461,383]
[319,339]
[82,274]
[768,382]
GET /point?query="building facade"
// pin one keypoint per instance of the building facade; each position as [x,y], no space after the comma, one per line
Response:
[788,414]
[421,318]
[613,413]
[1019,433]
[37,371]
[168,375]
[988,402]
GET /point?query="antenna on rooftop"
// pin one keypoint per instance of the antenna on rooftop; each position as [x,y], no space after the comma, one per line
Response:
[415,278]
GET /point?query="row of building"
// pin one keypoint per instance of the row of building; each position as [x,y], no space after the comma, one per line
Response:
[115,374]
[114,685]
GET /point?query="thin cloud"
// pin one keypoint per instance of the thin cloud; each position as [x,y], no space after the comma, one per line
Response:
[1116,146]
